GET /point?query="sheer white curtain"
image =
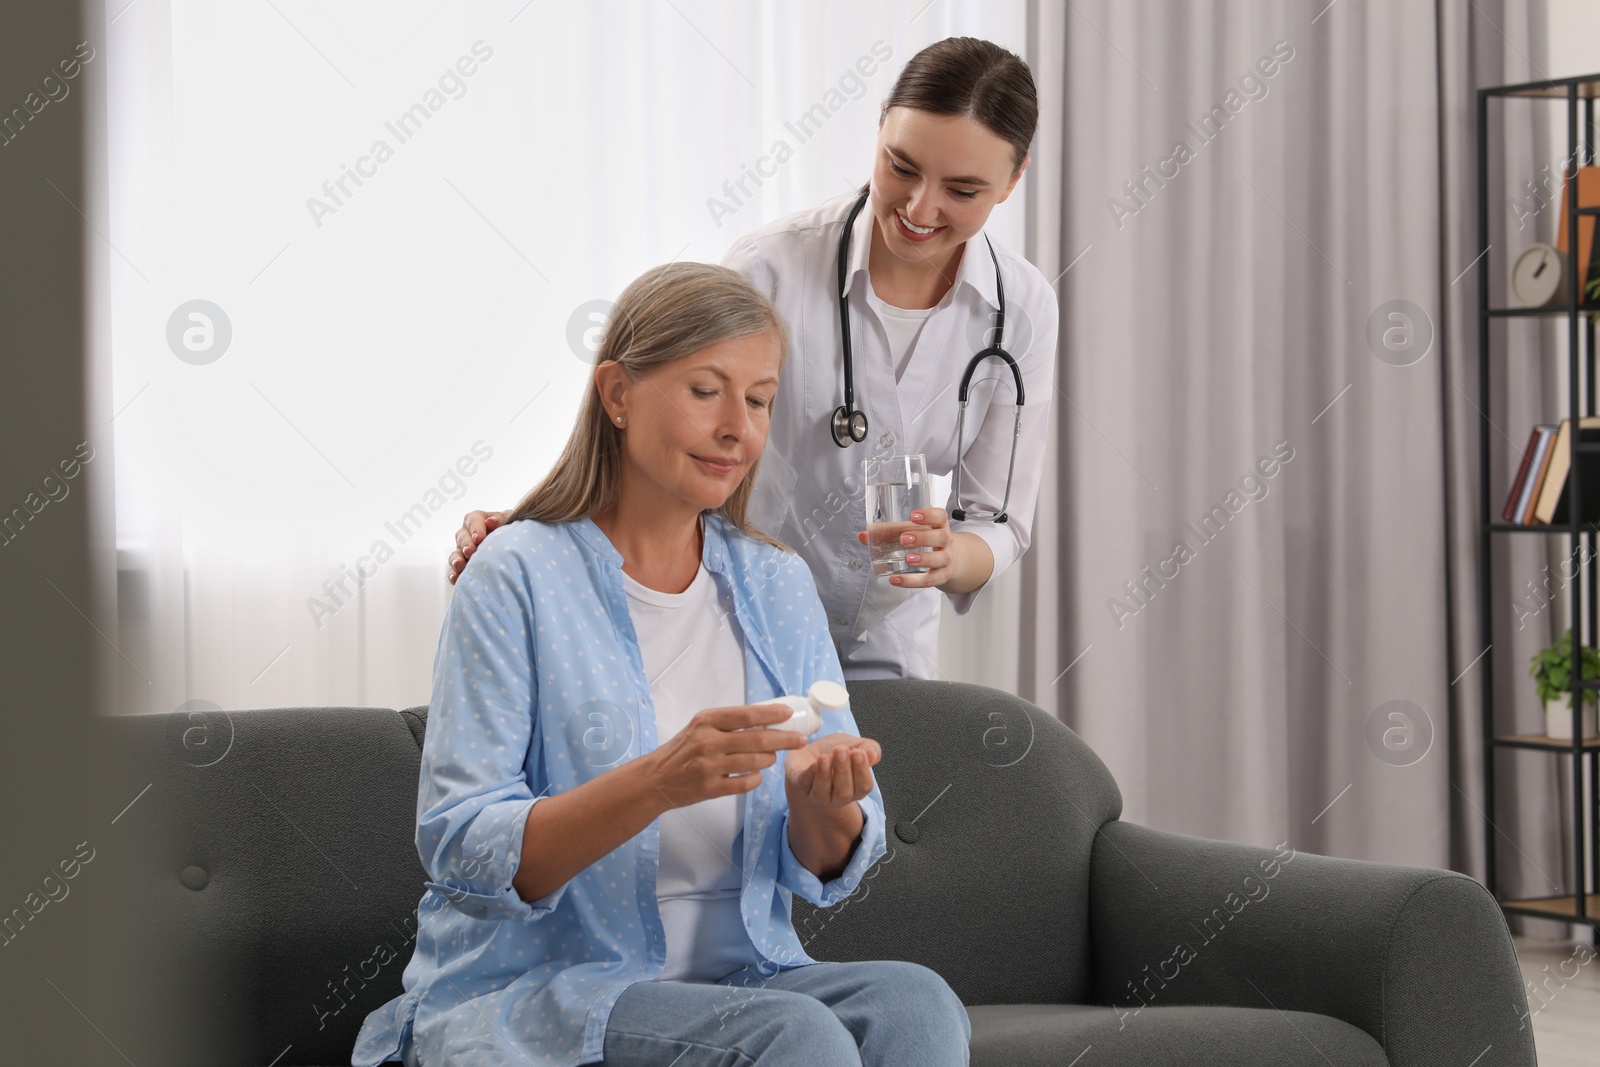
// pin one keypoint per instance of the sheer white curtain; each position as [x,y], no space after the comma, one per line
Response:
[397,216]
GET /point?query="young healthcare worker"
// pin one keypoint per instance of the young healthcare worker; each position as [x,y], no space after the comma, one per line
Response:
[890,296]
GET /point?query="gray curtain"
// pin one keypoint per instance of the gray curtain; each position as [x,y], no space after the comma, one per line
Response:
[1233,380]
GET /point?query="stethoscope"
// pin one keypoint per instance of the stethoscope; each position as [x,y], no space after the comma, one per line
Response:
[850,424]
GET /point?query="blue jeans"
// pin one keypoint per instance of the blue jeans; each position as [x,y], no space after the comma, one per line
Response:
[877,1014]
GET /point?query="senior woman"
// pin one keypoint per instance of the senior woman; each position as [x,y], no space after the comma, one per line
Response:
[612,826]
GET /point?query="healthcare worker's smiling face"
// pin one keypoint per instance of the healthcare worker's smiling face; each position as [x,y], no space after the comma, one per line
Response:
[693,428]
[935,181]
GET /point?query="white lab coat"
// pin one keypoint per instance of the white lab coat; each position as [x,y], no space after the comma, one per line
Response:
[809,492]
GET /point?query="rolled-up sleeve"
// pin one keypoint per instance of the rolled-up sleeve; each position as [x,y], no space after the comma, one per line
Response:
[988,451]
[821,662]
[793,875]
[473,796]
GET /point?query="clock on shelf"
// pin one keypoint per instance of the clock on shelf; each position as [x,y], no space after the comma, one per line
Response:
[1536,276]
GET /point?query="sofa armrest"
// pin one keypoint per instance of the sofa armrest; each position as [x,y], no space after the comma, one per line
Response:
[1419,958]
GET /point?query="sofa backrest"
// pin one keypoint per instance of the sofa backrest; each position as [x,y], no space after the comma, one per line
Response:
[993,807]
[270,874]
[276,882]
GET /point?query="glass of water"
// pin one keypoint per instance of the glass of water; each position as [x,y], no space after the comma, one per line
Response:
[896,486]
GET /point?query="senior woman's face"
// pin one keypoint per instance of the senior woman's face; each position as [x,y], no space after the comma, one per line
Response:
[696,426]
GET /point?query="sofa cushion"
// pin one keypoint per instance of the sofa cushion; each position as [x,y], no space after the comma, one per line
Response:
[1042,1035]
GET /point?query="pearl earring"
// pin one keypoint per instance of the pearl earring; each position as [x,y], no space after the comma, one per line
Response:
[619,420]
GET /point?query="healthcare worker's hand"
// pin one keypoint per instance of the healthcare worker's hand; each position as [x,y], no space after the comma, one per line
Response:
[831,771]
[474,528]
[957,561]
[929,532]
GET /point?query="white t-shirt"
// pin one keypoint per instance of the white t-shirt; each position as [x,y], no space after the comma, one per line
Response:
[694,660]
[901,325]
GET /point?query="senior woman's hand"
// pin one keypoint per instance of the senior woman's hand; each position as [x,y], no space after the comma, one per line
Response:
[831,771]
[823,783]
[720,752]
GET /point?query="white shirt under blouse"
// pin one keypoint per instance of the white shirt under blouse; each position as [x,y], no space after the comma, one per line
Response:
[809,492]
[694,660]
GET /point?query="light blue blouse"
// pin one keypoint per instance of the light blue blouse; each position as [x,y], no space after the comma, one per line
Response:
[538,686]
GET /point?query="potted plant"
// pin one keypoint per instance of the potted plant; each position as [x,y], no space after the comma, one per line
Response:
[1551,669]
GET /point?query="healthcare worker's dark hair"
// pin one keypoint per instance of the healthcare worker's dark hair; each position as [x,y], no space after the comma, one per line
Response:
[666,313]
[972,77]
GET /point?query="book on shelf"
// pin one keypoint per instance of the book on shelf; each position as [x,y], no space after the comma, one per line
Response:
[1555,498]
[1541,492]
[1588,252]
[1510,512]
[1526,491]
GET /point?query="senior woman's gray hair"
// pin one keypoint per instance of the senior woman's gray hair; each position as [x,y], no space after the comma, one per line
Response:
[667,313]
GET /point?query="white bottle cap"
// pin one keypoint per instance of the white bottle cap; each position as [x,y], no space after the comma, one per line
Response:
[807,716]
[829,696]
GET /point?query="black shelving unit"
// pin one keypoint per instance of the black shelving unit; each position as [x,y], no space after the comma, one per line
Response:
[1582,904]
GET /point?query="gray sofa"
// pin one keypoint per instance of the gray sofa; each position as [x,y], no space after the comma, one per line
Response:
[272,884]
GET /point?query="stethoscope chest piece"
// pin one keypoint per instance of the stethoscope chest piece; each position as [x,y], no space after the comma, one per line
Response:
[849,427]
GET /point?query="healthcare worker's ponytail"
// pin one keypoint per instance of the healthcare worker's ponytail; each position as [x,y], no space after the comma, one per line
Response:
[977,78]
[667,313]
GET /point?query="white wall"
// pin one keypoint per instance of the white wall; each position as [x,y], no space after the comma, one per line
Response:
[1574,37]
[1572,48]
